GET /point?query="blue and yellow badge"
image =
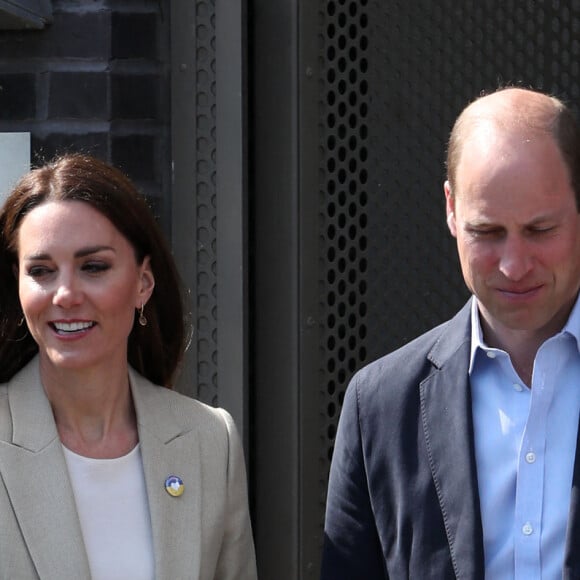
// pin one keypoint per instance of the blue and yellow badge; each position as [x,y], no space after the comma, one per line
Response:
[174,486]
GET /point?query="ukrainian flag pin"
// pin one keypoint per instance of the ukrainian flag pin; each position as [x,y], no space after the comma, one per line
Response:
[174,486]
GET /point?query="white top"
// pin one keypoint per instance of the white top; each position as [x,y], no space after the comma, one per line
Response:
[112,505]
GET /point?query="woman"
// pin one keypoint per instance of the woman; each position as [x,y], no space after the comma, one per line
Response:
[104,473]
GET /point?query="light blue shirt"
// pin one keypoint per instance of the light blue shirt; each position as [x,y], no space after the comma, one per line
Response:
[525,444]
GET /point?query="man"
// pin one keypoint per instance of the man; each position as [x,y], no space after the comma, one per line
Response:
[455,455]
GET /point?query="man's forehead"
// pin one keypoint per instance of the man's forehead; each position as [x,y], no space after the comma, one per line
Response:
[513,112]
[489,141]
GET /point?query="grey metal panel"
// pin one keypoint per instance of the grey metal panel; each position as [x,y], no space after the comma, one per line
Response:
[194,187]
[231,229]
[209,198]
[275,290]
[184,158]
[205,171]
[311,316]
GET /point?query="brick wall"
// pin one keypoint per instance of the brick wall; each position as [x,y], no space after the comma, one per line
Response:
[95,80]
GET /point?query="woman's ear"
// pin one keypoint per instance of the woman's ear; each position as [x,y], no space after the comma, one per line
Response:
[146,282]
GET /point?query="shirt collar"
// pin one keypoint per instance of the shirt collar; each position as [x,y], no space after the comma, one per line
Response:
[572,327]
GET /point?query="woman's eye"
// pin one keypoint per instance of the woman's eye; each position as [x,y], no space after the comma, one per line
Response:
[38,271]
[95,267]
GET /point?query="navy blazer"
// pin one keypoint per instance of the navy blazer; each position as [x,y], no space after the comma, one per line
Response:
[402,498]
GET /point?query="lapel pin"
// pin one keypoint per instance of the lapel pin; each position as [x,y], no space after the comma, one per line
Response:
[174,486]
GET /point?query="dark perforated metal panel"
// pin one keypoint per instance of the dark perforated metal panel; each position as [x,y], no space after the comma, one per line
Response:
[345,200]
[206,250]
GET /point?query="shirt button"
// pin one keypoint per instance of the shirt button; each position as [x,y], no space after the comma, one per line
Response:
[518,387]
[490,354]
[530,457]
[527,529]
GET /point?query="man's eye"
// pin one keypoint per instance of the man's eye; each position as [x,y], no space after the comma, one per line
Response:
[485,233]
[542,230]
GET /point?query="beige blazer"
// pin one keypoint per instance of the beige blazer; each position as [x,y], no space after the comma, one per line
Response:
[204,534]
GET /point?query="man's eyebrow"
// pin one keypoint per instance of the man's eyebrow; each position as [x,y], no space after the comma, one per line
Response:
[549,215]
[481,222]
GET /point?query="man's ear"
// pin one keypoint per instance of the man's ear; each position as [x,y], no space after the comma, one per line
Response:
[450,208]
[147,282]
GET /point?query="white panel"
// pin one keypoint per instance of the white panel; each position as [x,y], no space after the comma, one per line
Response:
[14,160]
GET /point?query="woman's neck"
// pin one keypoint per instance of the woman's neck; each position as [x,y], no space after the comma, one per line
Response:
[93,410]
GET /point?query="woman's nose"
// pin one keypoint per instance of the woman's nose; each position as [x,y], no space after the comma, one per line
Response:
[67,293]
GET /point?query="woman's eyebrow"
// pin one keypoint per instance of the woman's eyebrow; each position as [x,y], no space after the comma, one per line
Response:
[83,252]
[92,250]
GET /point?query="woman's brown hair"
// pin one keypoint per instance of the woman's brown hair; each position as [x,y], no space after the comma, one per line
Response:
[154,350]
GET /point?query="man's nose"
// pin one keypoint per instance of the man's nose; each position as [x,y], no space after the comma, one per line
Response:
[516,258]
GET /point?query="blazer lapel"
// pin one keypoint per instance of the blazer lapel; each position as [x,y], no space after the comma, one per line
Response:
[448,427]
[34,471]
[166,451]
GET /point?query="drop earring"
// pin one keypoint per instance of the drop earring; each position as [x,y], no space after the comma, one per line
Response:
[142,317]
[21,323]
